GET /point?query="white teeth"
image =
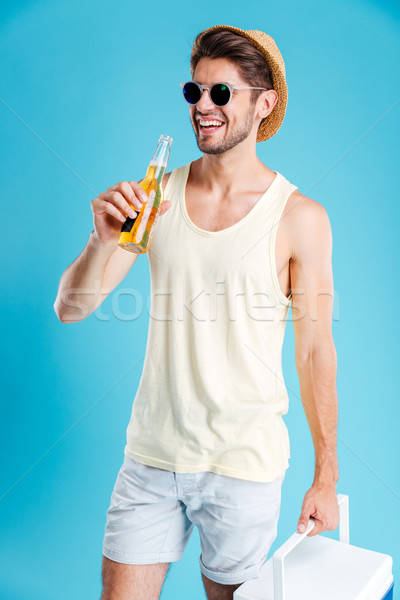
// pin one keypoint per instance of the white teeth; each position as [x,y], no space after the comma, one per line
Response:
[210,123]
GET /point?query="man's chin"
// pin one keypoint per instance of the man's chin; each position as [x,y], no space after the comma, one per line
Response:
[209,148]
[208,145]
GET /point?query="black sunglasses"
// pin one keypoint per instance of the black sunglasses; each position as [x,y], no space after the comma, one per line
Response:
[220,93]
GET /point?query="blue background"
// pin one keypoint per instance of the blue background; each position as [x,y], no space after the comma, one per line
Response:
[86,89]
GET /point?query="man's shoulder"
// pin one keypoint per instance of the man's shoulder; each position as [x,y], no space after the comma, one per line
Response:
[305,223]
[301,210]
[307,226]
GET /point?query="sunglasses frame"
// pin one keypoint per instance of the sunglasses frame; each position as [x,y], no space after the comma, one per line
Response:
[209,87]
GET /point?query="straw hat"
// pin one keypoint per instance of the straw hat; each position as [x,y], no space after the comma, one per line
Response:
[266,45]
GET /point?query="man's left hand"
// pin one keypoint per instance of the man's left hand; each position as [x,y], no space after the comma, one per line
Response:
[320,503]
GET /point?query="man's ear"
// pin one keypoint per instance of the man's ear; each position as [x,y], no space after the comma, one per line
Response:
[267,100]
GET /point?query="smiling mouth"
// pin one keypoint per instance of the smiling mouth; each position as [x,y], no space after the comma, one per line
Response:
[209,129]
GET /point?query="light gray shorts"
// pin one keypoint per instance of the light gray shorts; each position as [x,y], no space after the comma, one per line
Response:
[153,512]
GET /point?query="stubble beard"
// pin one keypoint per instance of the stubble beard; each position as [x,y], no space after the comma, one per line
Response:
[229,141]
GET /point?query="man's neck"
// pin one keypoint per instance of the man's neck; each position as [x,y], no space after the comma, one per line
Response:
[226,174]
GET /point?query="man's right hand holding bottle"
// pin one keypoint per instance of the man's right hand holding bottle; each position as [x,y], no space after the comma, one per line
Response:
[112,207]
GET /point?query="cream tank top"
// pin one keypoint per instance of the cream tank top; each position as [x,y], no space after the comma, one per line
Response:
[212,394]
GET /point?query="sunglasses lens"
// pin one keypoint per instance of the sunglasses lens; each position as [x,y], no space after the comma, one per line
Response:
[191,92]
[220,94]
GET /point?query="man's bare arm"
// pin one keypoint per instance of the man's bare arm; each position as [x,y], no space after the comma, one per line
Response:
[315,354]
[81,288]
[102,265]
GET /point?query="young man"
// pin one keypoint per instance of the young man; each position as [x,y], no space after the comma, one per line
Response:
[237,242]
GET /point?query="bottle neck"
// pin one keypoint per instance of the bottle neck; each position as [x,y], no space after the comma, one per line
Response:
[160,159]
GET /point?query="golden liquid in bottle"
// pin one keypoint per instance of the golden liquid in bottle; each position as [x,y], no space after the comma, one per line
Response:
[136,233]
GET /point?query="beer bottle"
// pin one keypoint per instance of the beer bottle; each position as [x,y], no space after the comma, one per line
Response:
[136,233]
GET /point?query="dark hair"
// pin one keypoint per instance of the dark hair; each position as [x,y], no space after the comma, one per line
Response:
[250,63]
